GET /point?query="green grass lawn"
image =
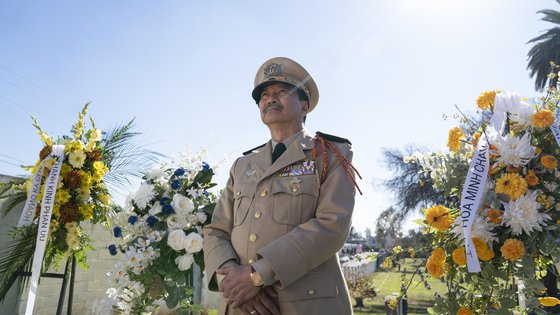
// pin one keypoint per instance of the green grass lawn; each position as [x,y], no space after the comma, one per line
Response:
[387,282]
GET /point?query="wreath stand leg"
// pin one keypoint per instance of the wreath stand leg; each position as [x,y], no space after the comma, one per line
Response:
[68,275]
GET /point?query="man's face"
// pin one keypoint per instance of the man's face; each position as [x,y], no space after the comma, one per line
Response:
[280,104]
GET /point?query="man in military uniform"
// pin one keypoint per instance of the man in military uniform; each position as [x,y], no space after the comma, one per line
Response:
[286,210]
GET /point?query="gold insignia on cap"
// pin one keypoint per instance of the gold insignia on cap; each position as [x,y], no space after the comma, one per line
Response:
[273,69]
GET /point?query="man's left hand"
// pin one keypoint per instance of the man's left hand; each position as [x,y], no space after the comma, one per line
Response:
[236,287]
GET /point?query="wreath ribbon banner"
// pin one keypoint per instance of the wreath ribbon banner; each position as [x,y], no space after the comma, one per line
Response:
[47,203]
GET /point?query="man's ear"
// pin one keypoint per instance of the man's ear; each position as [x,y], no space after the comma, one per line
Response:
[305,108]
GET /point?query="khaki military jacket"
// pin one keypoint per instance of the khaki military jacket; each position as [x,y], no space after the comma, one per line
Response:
[289,226]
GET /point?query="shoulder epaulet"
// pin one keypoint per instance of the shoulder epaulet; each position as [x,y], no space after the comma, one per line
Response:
[253,149]
[332,138]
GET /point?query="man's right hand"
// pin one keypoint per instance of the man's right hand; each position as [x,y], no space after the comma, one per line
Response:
[264,303]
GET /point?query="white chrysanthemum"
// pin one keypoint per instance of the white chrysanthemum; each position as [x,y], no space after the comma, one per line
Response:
[523,215]
[155,173]
[512,150]
[77,158]
[143,195]
[481,228]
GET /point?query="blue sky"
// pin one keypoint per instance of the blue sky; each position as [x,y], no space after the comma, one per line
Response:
[387,70]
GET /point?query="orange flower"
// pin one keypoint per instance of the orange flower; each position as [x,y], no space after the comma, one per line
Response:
[495,216]
[531,178]
[549,301]
[486,99]
[486,254]
[438,255]
[512,185]
[459,256]
[543,119]
[455,136]
[463,310]
[435,269]
[439,217]
[512,249]
[549,162]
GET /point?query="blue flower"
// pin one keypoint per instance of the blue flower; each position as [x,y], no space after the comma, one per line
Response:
[176,184]
[112,249]
[206,193]
[117,231]
[132,219]
[167,209]
[164,201]
[205,166]
[179,172]
[152,221]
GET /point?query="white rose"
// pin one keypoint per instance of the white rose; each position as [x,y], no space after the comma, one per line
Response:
[176,221]
[182,205]
[192,219]
[176,239]
[193,243]
[184,262]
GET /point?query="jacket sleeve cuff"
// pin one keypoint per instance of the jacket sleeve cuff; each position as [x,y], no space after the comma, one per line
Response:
[264,269]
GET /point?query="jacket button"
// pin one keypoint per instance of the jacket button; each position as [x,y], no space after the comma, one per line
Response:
[258,214]
[294,189]
[311,292]
[253,237]
[238,193]
[251,260]
[264,193]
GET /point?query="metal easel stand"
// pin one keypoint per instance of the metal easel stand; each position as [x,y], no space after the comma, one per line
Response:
[68,275]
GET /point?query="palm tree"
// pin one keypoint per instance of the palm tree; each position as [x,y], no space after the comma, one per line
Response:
[545,51]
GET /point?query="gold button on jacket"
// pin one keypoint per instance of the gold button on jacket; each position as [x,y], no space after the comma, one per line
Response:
[298,226]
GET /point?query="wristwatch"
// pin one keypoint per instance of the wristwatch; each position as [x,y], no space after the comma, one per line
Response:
[256,279]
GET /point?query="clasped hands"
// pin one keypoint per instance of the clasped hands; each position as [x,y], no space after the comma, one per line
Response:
[237,289]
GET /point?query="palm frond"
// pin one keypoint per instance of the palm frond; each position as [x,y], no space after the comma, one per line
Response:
[16,256]
[551,16]
[125,156]
[10,199]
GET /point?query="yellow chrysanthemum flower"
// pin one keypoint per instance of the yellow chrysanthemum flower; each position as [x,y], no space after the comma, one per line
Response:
[512,185]
[84,194]
[62,196]
[99,170]
[512,249]
[454,138]
[486,99]
[77,159]
[105,199]
[459,256]
[549,162]
[463,310]
[86,211]
[543,119]
[549,301]
[72,146]
[411,252]
[439,217]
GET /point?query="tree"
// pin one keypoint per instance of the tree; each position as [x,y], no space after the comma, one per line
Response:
[387,228]
[411,188]
[545,51]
